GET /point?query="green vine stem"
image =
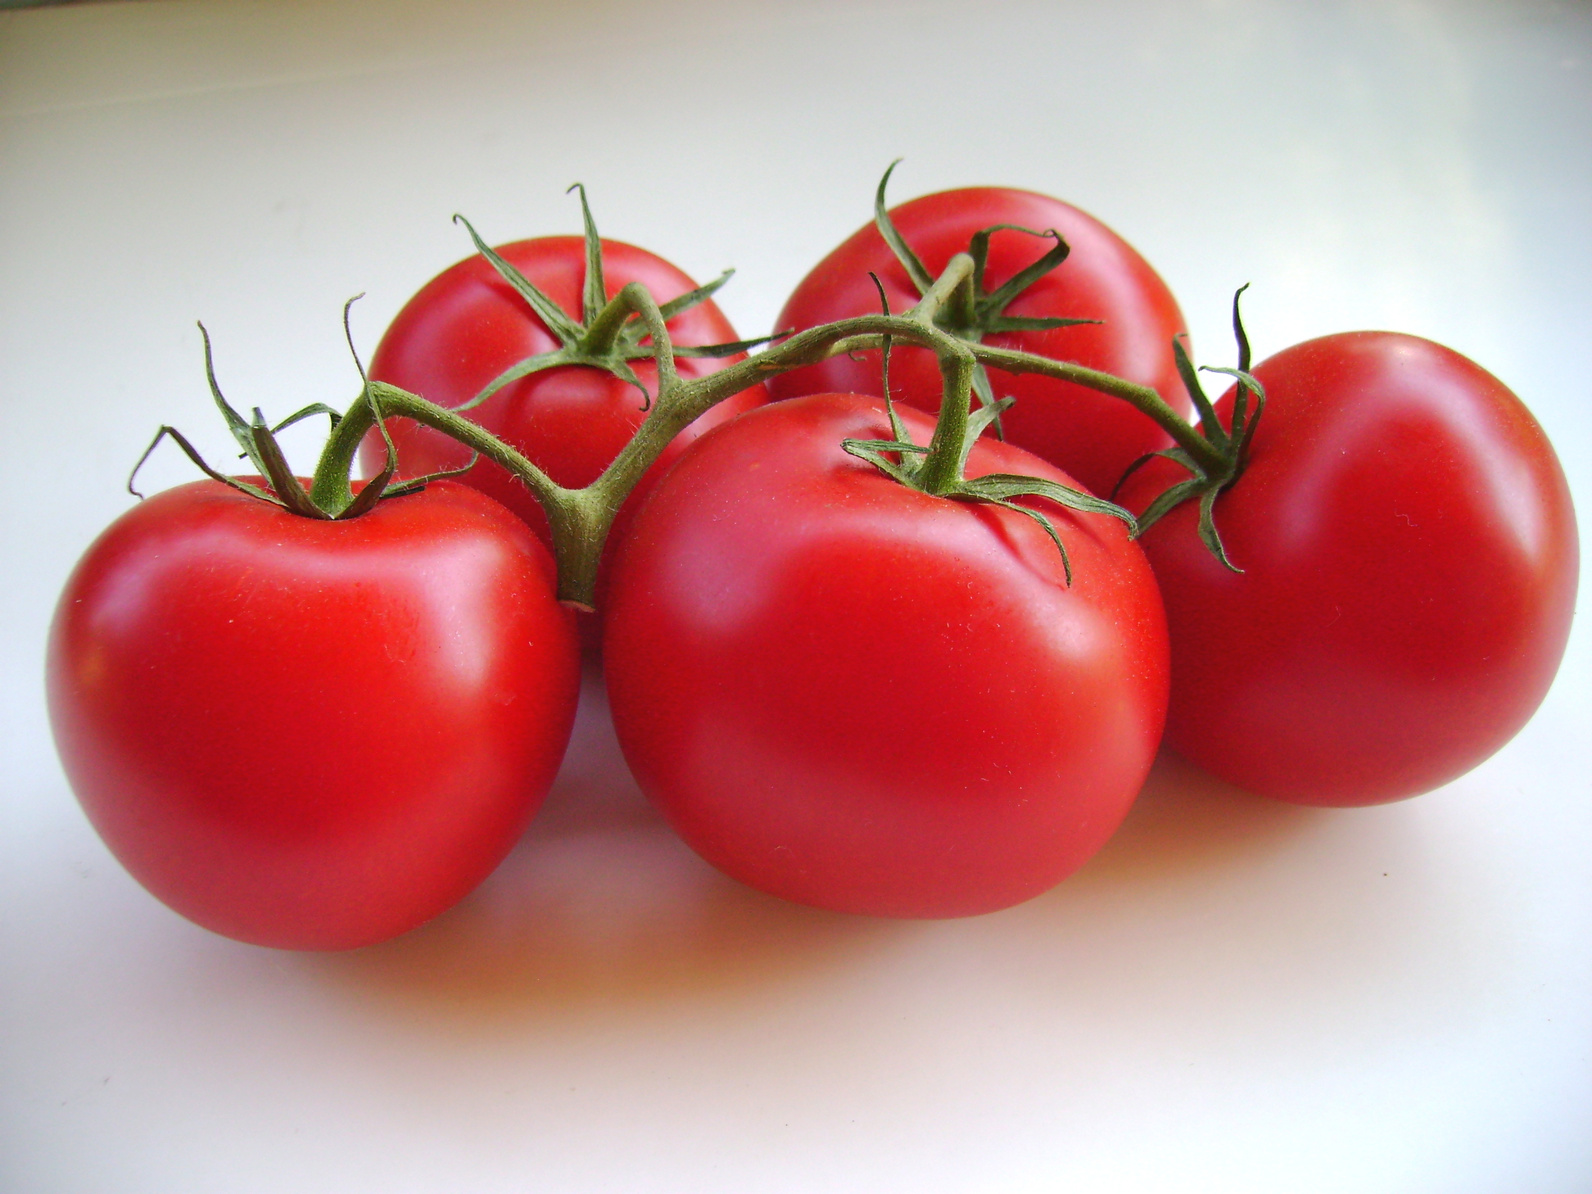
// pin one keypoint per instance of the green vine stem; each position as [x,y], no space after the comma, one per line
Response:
[580,519]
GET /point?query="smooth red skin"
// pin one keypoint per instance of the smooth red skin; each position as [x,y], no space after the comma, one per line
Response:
[852,695]
[1085,433]
[1410,562]
[467,325]
[310,734]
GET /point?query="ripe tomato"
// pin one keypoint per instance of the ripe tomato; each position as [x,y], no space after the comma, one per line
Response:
[1087,434]
[312,734]
[467,325]
[854,695]
[1409,561]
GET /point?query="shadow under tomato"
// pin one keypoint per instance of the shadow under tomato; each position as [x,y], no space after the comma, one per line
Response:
[602,904]
[1186,821]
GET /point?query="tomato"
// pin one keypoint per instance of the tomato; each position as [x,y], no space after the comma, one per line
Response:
[1409,560]
[1087,434]
[467,325]
[851,694]
[312,734]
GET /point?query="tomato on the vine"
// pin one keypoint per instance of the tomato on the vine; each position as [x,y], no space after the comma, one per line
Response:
[468,325]
[1090,436]
[855,695]
[1409,564]
[308,733]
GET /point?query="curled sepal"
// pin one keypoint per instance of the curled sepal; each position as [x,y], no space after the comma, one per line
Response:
[376,487]
[551,314]
[999,489]
[594,294]
[875,452]
[1207,528]
[987,402]
[971,311]
[286,486]
[728,349]
[1210,425]
[1170,497]
[996,300]
[1199,485]
[309,412]
[236,423]
[1031,323]
[416,484]
[910,261]
[988,414]
[1244,420]
[193,454]
[609,333]
[684,302]
[1207,481]
[904,461]
[530,365]
[1005,486]
[1045,524]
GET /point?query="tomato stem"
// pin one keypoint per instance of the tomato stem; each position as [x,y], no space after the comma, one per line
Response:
[580,519]
[632,325]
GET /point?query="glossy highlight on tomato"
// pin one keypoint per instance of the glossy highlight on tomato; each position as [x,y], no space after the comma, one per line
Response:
[467,325]
[1409,558]
[1088,435]
[854,695]
[305,733]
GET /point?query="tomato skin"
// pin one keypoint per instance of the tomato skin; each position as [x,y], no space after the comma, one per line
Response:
[1087,434]
[1410,563]
[312,734]
[467,325]
[856,696]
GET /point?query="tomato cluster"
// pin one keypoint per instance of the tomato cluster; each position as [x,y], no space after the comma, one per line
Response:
[861,655]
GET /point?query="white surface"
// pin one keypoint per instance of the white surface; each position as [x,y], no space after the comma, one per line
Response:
[1235,996]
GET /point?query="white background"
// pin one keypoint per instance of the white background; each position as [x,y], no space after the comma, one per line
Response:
[1234,996]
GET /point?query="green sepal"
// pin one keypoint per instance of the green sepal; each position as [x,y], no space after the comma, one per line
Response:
[605,337]
[1238,331]
[236,423]
[873,452]
[1172,496]
[1004,486]
[684,302]
[192,453]
[1026,323]
[1037,516]
[530,365]
[1233,443]
[910,261]
[309,412]
[1207,489]
[977,420]
[594,293]
[1207,527]
[886,445]
[729,349]
[1209,423]
[376,487]
[996,300]
[551,314]
[287,486]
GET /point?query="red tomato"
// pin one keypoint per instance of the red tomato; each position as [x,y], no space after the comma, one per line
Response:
[1085,433]
[854,695]
[312,734]
[467,325]
[1409,561]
